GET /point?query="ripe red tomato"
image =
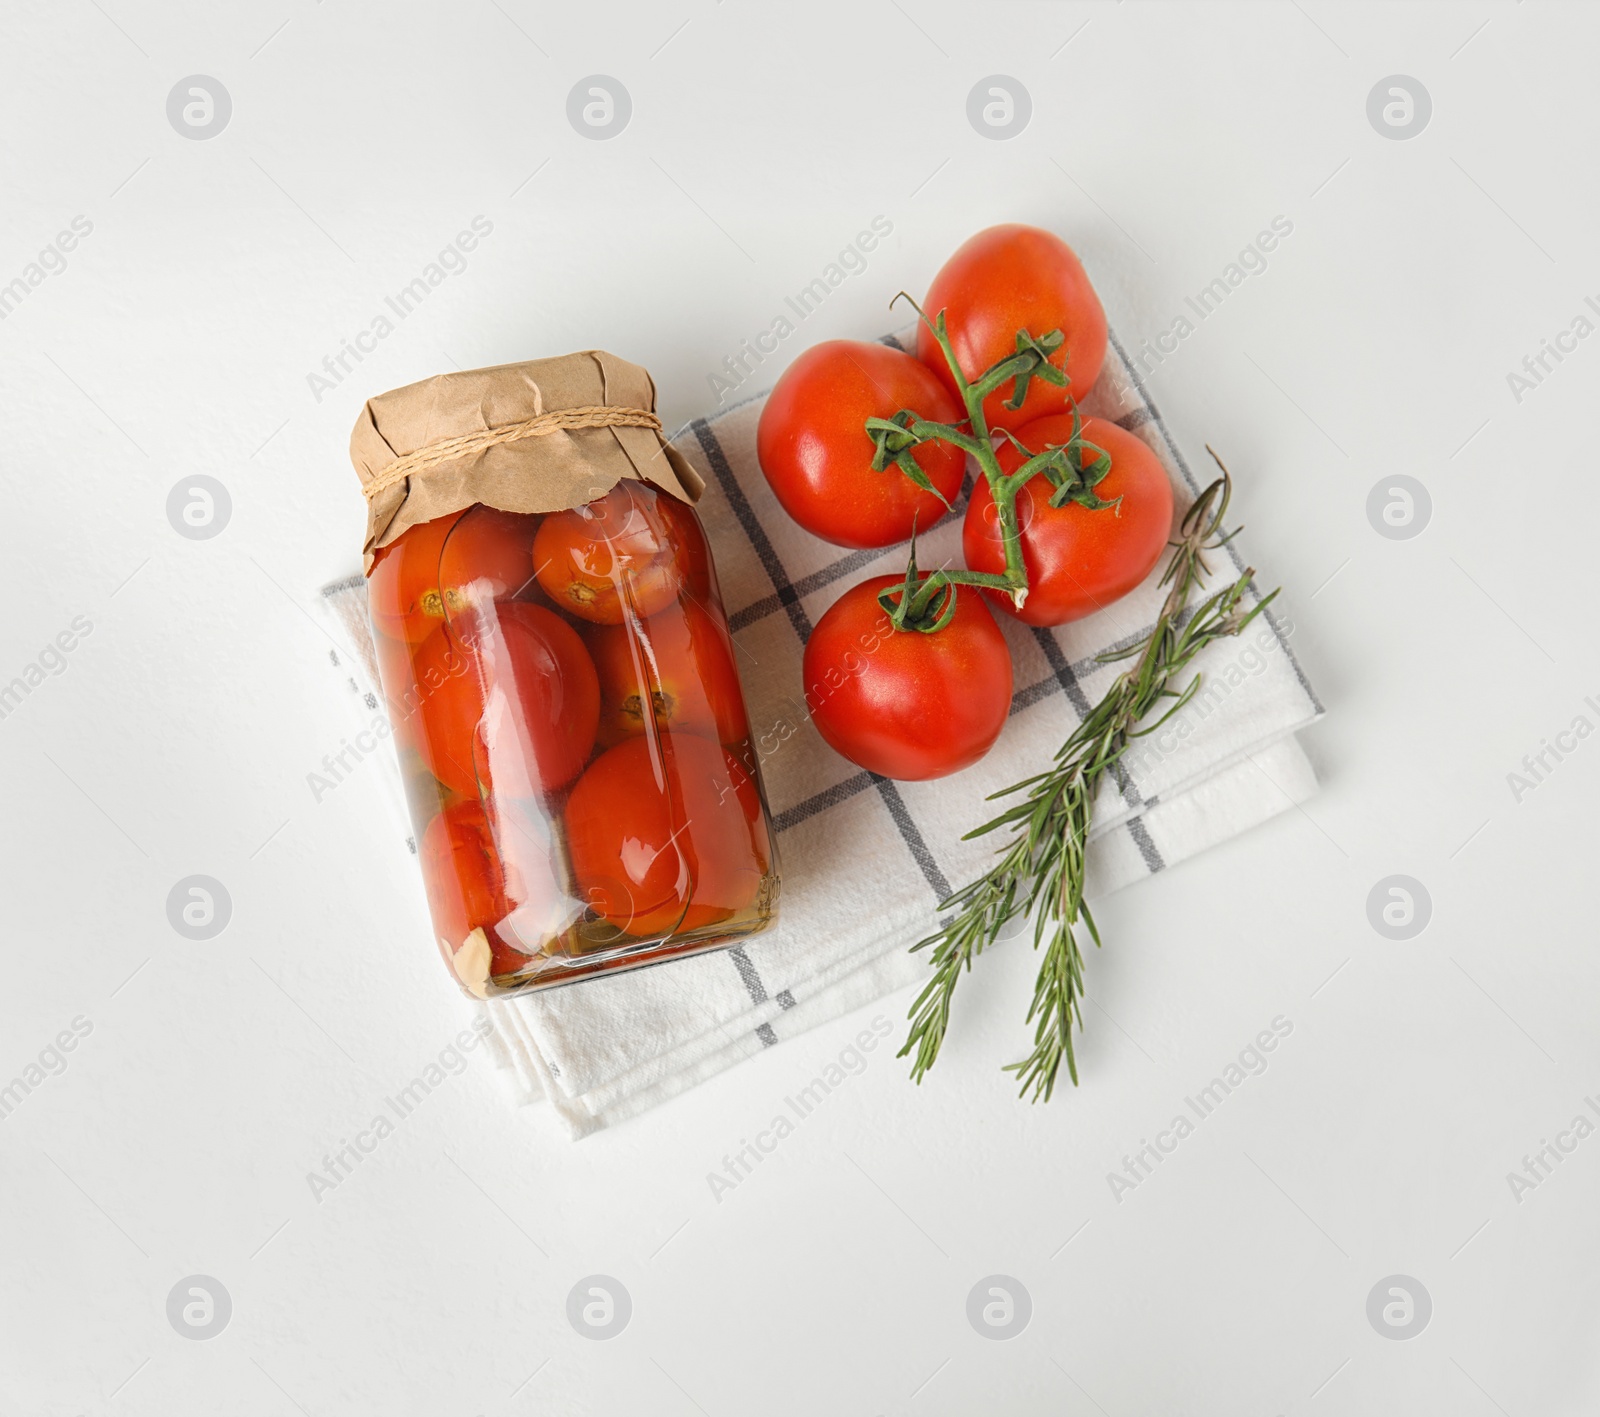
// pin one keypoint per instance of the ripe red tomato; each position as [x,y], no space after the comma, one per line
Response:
[465,883]
[449,567]
[525,684]
[817,455]
[403,589]
[614,553]
[486,557]
[1012,278]
[1078,561]
[688,541]
[439,711]
[666,837]
[901,703]
[680,662]
[543,695]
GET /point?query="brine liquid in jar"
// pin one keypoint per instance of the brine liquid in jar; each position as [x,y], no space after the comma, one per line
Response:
[566,703]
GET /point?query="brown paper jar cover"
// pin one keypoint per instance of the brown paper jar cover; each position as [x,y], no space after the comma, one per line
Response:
[564,468]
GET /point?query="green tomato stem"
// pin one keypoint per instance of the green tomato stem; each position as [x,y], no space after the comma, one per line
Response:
[896,439]
[1002,489]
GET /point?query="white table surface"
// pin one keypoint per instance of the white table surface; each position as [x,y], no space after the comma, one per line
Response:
[178,734]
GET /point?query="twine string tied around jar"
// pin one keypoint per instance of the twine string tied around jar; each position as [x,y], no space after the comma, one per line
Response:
[450,449]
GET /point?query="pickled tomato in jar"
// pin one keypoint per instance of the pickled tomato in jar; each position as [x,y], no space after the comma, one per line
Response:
[566,691]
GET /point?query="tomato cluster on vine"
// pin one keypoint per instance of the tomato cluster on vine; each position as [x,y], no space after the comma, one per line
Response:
[866,445]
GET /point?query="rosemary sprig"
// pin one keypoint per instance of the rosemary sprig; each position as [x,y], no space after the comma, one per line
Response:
[1041,870]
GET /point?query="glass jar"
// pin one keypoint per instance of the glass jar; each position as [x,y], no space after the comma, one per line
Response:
[567,708]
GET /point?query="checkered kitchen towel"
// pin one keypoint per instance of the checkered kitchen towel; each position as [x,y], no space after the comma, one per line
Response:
[865,860]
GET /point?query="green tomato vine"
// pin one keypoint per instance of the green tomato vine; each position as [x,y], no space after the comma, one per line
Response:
[1074,469]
